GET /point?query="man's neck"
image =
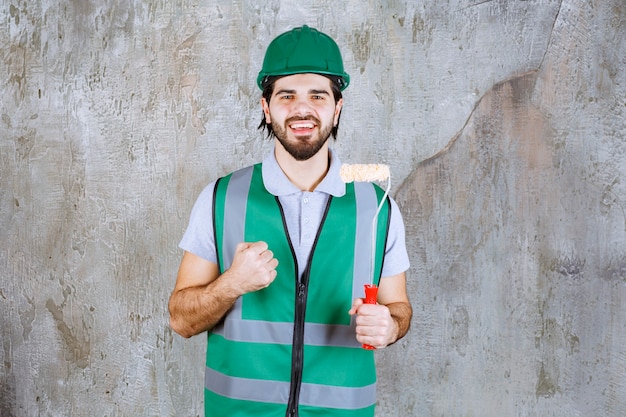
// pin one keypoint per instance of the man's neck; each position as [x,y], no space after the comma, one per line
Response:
[306,175]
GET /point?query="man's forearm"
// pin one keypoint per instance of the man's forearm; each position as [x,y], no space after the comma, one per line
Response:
[401,312]
[194,310]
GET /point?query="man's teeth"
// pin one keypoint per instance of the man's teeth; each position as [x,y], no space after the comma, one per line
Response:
[302,125]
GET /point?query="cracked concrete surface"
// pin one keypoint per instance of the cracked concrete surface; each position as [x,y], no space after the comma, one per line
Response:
[503,124]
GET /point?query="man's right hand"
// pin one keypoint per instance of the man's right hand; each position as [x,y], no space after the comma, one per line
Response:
[253,267]
[202,296]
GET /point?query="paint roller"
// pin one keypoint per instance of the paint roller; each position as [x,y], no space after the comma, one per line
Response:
[369,173]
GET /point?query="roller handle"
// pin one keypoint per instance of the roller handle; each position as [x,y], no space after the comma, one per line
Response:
[371,294]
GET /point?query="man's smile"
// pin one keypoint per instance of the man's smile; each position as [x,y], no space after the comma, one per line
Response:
[302,126]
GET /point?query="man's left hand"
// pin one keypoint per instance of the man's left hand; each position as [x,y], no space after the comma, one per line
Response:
[374,324]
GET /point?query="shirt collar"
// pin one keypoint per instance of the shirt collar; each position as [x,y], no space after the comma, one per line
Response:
[277,183]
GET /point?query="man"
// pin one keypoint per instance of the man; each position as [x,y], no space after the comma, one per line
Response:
[275,253]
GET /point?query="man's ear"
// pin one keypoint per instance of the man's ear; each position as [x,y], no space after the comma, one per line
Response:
[266,110]
[338,108]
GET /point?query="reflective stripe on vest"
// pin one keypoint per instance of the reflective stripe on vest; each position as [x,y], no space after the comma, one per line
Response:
[315,395]
[238,329]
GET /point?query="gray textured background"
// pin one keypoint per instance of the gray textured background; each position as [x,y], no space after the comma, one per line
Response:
[503,123]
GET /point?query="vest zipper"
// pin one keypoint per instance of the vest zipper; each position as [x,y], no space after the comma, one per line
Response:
[302,288]
[297,358]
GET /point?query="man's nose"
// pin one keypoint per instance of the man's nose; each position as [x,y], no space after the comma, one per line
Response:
[301,107]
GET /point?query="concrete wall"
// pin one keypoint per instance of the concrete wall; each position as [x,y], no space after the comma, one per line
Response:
[504,125]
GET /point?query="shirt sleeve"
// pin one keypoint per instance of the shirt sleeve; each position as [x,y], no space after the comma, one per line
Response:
[396,256]
[199,238]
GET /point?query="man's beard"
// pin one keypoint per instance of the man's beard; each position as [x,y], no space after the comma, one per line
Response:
[304,149]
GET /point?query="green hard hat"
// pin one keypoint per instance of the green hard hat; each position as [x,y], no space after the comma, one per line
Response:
[303,50]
